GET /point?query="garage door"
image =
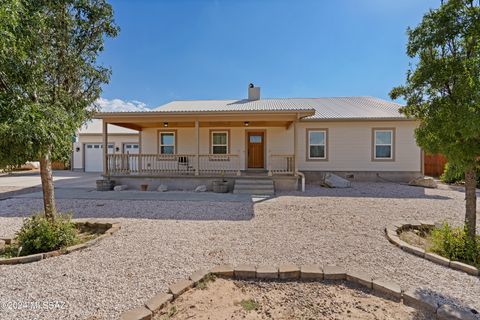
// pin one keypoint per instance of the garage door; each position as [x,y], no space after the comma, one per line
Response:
[94,156]
[131,148]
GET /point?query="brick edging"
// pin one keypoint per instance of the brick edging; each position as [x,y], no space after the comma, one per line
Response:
[394,230]
[291,272]
[109,227]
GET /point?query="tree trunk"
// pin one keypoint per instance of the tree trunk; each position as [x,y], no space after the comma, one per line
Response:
[47,185]
[471,202]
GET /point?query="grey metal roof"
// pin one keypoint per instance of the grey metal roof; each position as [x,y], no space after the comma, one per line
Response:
[325,108]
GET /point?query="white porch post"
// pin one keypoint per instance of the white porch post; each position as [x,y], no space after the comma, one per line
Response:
[105,147]
[140,159]
[197,150]
[295,148]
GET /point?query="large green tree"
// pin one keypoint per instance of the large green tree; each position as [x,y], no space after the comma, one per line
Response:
[442,89]
[49,78]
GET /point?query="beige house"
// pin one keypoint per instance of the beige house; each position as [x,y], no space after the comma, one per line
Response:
[186,143]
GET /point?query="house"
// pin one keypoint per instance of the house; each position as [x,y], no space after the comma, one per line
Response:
[187,143]
[88,146]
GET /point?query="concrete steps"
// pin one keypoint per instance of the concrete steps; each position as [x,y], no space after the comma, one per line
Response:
[254,186]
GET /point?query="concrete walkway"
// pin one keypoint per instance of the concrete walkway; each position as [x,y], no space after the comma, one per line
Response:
[91,194]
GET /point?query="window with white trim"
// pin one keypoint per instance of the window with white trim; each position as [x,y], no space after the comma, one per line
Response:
[317,144]
[383,144]
[219,142]
[167,142]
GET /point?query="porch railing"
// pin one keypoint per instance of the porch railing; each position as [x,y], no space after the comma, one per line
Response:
[282,164]
[219,164]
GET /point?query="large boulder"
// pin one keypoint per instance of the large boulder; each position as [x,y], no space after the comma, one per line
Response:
[120,187]
[162,188]
[201,188]
[31,165]
[333,181]
[425,182]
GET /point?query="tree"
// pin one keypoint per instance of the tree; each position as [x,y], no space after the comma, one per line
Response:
[49,78]
[442,89]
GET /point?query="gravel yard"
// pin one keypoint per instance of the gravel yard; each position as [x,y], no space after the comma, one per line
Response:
[163,241]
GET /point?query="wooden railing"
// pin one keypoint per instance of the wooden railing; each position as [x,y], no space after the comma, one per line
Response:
[282,164]
[219,164]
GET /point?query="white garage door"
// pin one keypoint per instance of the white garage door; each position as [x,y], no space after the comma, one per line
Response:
[94,156]
[131,148]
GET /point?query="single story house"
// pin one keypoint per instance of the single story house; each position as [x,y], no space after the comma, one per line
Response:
[186,143]
[88,145]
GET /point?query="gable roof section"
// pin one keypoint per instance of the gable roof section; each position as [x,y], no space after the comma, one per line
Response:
[324,108]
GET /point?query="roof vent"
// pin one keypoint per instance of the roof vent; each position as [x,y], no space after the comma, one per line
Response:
[253,92]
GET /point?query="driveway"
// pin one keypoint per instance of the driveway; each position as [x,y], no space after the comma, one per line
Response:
[61,178]
[163,241]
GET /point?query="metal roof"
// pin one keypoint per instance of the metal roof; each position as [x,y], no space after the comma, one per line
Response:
[325,108]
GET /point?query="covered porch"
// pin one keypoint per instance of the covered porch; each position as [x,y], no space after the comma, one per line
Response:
[205,144]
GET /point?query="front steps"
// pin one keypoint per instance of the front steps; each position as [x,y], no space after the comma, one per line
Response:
[254,186]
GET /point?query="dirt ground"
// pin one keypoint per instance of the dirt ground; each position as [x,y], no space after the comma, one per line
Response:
[226,299]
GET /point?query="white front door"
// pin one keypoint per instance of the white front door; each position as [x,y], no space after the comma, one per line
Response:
[94,156]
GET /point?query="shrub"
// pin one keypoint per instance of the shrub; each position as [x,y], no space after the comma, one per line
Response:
[454,244]
[453,174]
[38,234]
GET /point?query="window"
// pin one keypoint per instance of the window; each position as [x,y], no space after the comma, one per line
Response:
[167,142]
[317,144]
[219,141]
[383,144]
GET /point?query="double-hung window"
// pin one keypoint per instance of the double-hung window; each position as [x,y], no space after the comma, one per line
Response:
[383,144]
[219,142]
[167,142]
[317,144]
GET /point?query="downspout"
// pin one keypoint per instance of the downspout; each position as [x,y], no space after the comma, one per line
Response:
[298,173]
[295,137]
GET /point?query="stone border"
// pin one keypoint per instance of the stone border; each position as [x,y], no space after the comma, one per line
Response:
[109,228]
[393,232]
[292,272]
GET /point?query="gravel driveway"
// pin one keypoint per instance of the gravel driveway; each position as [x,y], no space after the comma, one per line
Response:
[163,241]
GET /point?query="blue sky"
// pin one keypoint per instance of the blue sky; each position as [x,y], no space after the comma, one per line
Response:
[212,49]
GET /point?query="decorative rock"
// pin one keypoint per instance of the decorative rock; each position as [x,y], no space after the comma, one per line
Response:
[387,287]
[334,273]
[224,270]
[162,188]
[334,181]
[311,272]
[288,271]
[267,272]
[425,182]
[180,287]
[416,298]
[245,271]
[120,187]
[158,302]
[360,278]
[447,312]
[140,313]
[464,267]
[437,259]
[201,188]
[198,276]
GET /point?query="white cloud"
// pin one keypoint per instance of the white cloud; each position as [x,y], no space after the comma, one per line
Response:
[118,105]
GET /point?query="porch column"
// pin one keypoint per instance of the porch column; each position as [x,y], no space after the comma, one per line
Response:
[295,148]
[105,147]
[140,159]
[197,150]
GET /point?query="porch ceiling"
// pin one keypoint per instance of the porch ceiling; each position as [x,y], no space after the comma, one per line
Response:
[203,124]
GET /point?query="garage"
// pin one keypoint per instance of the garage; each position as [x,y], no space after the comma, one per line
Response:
[130,148]
[94,156]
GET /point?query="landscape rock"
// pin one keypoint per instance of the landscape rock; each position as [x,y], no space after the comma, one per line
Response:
[162,188]
[120,187]
[334,181]
[425,182]
[30,165]
[201,188]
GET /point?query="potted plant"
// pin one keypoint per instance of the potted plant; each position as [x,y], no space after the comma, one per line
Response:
[220,186]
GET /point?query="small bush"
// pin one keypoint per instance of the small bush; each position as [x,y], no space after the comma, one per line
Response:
[453,174]
[454,244]
[249,305]
[38,234]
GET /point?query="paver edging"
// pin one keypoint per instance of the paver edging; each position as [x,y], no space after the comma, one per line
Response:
[108,228]
[378,286]
[392,232]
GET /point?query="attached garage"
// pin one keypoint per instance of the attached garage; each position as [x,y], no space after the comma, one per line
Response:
[94,156]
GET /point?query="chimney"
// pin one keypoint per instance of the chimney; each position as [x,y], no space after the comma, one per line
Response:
[253,92]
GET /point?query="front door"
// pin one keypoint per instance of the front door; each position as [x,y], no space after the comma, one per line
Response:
[256,151]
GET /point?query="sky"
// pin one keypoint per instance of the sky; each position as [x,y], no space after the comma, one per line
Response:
[212,49]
